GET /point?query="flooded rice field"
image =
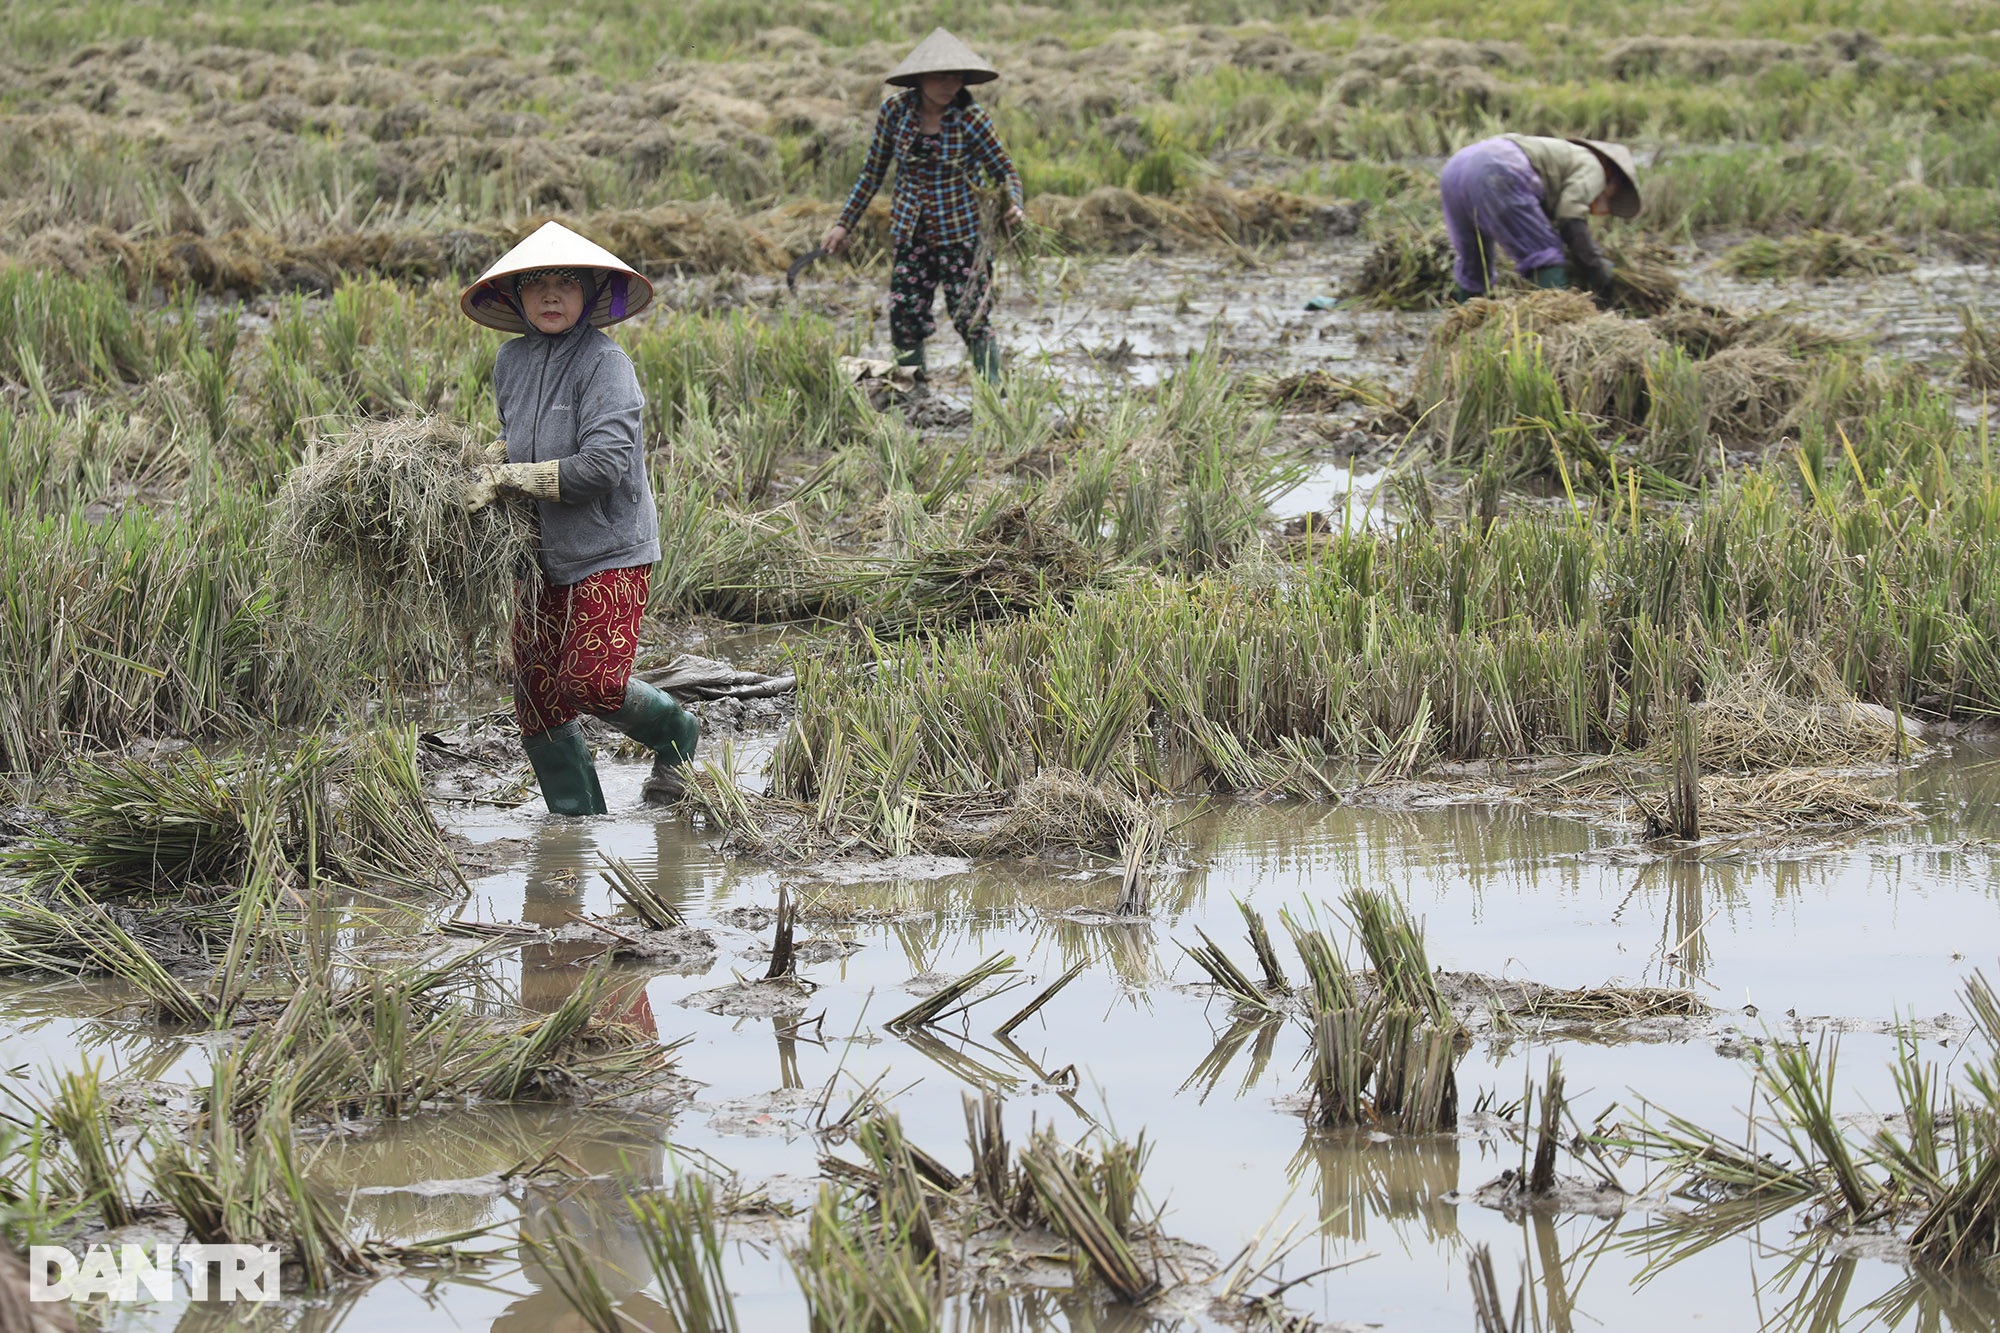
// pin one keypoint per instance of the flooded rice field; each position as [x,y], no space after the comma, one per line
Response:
[1135,319]
[1273,805]
[1853,937]
[1867,940]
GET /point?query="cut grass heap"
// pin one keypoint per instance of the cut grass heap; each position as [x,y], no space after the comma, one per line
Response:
[381,508]
[1814,254]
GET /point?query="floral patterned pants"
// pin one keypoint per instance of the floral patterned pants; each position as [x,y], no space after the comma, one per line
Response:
[573,648]
[921,268]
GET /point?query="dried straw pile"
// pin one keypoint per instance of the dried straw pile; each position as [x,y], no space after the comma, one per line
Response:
[1748,392]
[1018,559]
[1412,270]
[1748,724]
[1603,365]
[1056,811]
[1704,330]
[1314,391]
[1405,271]
[1530,312]
[1817,255]
[1673,385]
[380,510]
[1793,800]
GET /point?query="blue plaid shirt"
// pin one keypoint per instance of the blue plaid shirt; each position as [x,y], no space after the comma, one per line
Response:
[933,194]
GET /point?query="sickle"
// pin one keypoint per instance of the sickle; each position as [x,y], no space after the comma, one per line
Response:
[800,265]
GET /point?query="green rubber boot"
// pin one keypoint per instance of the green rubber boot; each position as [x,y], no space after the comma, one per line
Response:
[912,357]
[565,769]
[1554,275]
[985,354]
[1460,295]
[651,717]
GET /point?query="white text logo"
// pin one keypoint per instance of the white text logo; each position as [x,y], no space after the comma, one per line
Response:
[239,1272]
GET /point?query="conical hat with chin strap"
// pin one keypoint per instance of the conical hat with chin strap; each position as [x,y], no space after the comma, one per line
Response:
[941,53]
[622,291]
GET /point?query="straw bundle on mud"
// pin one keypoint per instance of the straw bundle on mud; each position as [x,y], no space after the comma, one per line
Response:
[1507,374]
[1530,312]
[1748,724]
[1602,364]
[381,508]
[1815,254]
[1748,393]
[1019,558]
[1643,282]
[1794,800]
[1600,1004]
[1702,330]
[1055,811]
[1405,271]
[1980,366]
[1315,391]
[193,828]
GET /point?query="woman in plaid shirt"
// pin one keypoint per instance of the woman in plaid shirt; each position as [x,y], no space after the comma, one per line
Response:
[940,140]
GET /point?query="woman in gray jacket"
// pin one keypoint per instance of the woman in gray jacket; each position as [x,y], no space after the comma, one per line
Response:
[570,415]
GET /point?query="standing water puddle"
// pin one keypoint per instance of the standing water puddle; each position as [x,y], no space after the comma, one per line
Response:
[1852,935]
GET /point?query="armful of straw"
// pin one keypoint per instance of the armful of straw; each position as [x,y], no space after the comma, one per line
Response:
[538,481]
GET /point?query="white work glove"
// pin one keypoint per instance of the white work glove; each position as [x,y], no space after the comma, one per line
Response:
[537,481]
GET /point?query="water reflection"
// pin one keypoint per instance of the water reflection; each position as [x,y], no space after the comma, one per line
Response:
[322,1315]
[1049,1311]
[1865,931]
[1259,1035]
[556,892]
[592,1217]
[1364,1179]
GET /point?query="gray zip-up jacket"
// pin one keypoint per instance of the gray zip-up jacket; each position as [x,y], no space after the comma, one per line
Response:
[573,397]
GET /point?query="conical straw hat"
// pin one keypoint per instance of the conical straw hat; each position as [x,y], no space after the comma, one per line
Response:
[941,53]
[622,291]
[1624,174]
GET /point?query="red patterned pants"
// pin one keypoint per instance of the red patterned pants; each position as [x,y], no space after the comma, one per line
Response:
[573,648]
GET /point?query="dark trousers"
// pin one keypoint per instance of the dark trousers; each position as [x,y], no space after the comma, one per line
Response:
[921,268]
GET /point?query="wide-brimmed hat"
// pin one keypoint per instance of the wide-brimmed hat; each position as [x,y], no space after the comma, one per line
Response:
[941,53]
[622,291]
[1623,174]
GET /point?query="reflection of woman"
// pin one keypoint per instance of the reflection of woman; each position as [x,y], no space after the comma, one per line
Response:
[550,973]
[593,1212]
[939,140]
[594,1215]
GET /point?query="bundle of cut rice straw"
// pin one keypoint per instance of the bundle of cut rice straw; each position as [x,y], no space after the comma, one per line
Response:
[380,509]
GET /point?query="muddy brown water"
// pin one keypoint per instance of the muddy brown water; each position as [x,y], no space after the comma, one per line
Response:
[1853,934]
